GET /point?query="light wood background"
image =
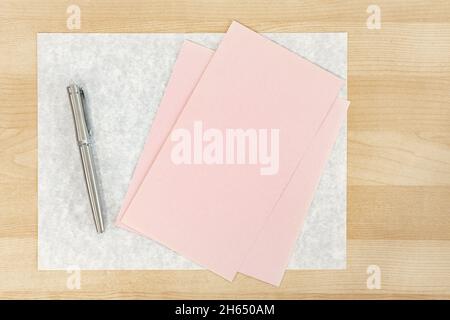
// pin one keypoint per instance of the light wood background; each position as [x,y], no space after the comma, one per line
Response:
[398,145]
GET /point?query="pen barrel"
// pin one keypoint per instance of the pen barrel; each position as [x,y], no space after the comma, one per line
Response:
[91,185]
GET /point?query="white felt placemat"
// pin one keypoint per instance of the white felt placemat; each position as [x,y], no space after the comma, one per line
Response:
[124,76]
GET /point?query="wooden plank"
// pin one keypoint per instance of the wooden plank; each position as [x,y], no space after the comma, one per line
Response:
[398,213]
[397,158]
[407,267]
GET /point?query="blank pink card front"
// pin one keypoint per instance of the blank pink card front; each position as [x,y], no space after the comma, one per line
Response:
[268,257]
[213,214]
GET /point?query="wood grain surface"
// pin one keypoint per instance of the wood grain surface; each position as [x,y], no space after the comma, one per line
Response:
[398,145]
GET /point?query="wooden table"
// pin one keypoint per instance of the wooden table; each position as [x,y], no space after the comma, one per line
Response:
[398,145]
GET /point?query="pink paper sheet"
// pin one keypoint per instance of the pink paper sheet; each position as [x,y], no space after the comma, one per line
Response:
[269,256]
[164,215]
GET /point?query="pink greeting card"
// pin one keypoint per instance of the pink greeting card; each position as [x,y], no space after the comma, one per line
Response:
[208,201]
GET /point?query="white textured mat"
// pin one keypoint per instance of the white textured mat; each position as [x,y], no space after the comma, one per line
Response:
[124,76]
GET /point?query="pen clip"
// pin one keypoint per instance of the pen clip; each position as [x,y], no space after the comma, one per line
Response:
[85,111]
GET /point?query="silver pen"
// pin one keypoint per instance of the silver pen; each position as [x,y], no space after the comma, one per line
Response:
[83,135]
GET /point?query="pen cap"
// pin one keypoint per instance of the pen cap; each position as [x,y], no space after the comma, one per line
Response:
[77,103]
